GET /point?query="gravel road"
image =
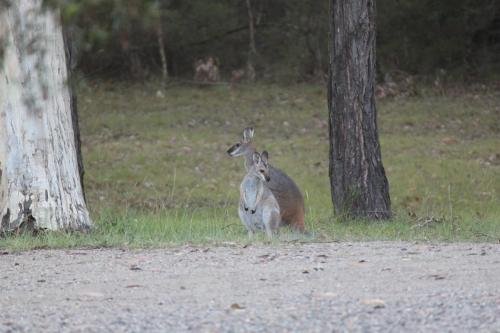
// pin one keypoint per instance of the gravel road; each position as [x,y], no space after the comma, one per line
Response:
[327,287]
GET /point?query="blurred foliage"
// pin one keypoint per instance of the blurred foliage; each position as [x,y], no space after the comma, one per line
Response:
[119,37]
[421,36]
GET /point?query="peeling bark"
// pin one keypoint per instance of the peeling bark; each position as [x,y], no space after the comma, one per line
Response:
[357,177]
[41,184]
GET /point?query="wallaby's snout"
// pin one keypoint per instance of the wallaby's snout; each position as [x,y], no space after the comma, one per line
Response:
[268,179]
[231,149]
[238,149]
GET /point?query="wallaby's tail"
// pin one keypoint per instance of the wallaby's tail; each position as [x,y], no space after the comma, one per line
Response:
[298,225]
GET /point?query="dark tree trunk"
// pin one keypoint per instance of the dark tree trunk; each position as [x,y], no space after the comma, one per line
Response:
[357,177]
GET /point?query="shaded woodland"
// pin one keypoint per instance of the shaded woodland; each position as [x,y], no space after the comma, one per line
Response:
[283,40]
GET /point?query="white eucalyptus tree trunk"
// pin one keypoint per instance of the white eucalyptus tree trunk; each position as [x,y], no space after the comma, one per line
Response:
[40,184]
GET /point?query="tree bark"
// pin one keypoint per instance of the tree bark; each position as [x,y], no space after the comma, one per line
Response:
[40,180]
[358,182]
[70,52]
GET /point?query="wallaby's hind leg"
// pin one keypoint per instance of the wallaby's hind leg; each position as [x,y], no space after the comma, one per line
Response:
[271,219]
[245,219]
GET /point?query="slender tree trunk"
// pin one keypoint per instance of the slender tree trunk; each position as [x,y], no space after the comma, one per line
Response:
[163,57]
[357,177]
[40,179]
[161,48]
[252,51]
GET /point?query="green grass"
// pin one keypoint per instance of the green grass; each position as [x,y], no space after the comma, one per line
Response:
[157,173]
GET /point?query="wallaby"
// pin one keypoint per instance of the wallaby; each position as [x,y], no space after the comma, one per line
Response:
[258,208]
[284,189]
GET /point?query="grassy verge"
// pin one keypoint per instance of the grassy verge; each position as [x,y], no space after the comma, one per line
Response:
[139,230]
[157,173]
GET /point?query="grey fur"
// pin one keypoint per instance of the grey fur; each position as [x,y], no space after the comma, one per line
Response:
[258,208]
[284,189]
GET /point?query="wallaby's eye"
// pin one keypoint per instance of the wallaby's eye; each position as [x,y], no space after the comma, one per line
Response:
[261,171]
[237,145]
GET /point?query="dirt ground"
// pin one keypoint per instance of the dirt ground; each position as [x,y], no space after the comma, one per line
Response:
[358,287]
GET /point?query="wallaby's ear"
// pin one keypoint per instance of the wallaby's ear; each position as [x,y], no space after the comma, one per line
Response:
[264,156]
[256,158]
[248,134]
